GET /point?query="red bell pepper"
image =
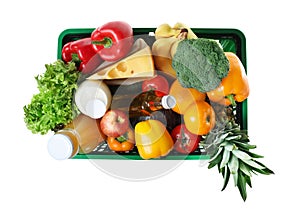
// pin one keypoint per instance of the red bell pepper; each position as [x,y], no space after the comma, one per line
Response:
[67,53]
[113,40]
[81,51]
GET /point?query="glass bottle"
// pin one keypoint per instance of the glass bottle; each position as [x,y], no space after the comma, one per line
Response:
[148,102]
[82,136]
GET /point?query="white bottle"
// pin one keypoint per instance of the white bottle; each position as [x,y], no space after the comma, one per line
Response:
[93,98]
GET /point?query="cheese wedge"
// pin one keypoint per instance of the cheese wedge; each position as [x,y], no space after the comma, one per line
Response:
[139,63]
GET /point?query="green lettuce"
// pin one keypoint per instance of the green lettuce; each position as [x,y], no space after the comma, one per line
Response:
[53,106]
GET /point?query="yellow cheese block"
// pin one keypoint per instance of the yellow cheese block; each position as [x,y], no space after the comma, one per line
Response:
[139,63]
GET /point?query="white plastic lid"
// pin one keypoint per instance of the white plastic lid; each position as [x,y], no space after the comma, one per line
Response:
[60,147]
[95,108]
[168,102]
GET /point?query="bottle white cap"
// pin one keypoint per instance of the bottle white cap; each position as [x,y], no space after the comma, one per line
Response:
[95,108]
[60,147]
[168,102]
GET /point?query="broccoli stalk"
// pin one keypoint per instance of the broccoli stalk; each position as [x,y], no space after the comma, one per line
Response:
[200,63]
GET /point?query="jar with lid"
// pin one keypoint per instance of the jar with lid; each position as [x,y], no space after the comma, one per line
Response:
[93,98]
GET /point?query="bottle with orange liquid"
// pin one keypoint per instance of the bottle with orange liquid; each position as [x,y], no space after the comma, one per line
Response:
[148,102]
[81,136]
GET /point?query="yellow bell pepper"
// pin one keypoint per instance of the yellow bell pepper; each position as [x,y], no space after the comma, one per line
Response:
[152,139]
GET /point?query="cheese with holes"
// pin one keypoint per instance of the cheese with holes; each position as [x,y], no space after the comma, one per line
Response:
[139,63]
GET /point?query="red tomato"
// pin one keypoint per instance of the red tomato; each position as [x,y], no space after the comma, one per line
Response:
[159,84]
[184,141]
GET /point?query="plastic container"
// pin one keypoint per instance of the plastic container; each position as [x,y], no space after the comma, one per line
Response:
[81,136]
[233,39]
[93,98]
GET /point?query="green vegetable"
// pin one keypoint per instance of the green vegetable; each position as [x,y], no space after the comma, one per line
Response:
[232,154]
[200,63]
[53,106]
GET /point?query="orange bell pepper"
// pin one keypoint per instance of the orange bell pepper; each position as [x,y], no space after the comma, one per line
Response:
[126,144]
[152,139]
[233,87]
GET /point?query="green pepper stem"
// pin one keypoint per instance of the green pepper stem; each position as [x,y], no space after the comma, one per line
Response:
[106,42]
[75,58]
[230,97]
[123,137]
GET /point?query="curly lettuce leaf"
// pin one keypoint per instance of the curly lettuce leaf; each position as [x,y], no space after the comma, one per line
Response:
[53,105]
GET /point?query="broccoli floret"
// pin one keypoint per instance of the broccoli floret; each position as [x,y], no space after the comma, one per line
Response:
[200,63]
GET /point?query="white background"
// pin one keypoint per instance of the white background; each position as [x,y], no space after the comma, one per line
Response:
[32,182]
